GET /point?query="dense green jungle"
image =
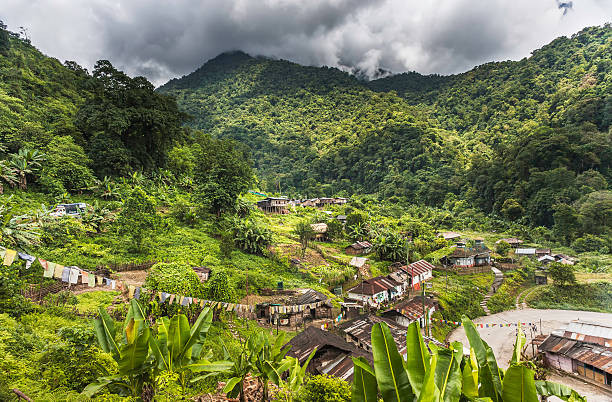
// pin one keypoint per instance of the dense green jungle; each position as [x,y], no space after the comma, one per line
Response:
[170,177]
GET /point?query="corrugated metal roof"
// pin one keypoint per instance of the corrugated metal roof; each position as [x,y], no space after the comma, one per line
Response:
[358,261]
[449,235]
[588,353]
[319,227]
[525,251]
[374,285]
[510,240]
[333,354]
[361,329]
[589,332]
[420,267]
[360,245]
[413,308]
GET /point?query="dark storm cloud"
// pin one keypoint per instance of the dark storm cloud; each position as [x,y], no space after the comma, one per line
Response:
[163,39]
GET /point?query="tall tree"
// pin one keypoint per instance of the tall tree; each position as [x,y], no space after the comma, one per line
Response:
[127,122]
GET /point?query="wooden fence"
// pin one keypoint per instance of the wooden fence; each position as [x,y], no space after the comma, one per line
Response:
[133,266]
[466,270]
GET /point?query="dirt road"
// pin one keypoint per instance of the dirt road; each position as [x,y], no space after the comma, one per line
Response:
[501,339]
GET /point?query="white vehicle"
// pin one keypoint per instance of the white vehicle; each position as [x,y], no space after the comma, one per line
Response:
[69,209]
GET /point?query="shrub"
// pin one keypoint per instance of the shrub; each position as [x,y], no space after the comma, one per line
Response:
[59,232]
[324,388]
[174,278]
[251,237]
[66,167]
[589,243]
[219,288]
[138,219]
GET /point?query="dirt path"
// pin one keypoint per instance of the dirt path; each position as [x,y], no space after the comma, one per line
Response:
[523,295]
[501,339]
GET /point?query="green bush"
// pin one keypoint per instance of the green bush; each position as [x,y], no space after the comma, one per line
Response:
[174,278]
[66,167]
[590,243]
[325,388]
[59,232]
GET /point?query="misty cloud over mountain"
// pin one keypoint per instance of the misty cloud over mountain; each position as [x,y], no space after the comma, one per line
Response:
[165,39]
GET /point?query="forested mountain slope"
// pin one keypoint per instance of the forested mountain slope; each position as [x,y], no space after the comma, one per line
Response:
[318,130]
[525,139]
[39,96]
[566,82]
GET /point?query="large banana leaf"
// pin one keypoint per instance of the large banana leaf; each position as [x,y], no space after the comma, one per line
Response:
[364,382]
[159,344]
[178,336]
[519,385]
[518,346]
[470,376]
[489,376]
[133,355]
[417,357]
[106,332]
[197,336]
[391,376]
[448,376]
[103,382]
[548,388]
[429,390]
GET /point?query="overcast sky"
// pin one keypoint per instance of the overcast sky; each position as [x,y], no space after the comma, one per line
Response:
[162,39]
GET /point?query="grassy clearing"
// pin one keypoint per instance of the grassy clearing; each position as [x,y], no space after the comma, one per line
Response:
[588,297]
[462,295]
[89,302]
[514,283]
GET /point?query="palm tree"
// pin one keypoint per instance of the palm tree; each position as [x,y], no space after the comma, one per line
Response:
[7,174]
[25,162]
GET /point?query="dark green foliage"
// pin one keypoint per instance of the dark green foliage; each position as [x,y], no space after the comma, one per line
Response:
[512,138]
[561,274]
[138,218]
[219,288]
[223,172]
[176,278]
[66,167]
[140,124]
[73,362]
[502,248]
[324,388]
[251,236]
[591,243]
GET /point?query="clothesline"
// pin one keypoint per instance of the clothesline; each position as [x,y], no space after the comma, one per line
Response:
[490,325]
[71,274]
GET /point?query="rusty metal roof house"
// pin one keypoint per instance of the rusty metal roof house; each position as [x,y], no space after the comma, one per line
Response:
[202,272]
[359,247]
[450,235]
[406,312]
[583,348]
[359,332]
[512,241]
[333,355]
[374,286]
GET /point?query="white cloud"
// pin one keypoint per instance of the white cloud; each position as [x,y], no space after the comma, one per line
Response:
[164,39]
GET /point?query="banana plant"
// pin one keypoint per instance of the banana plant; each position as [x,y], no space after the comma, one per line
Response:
[260,357]
[131,353]
[446,374]
[295,376]
[177,346]
[268,358]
